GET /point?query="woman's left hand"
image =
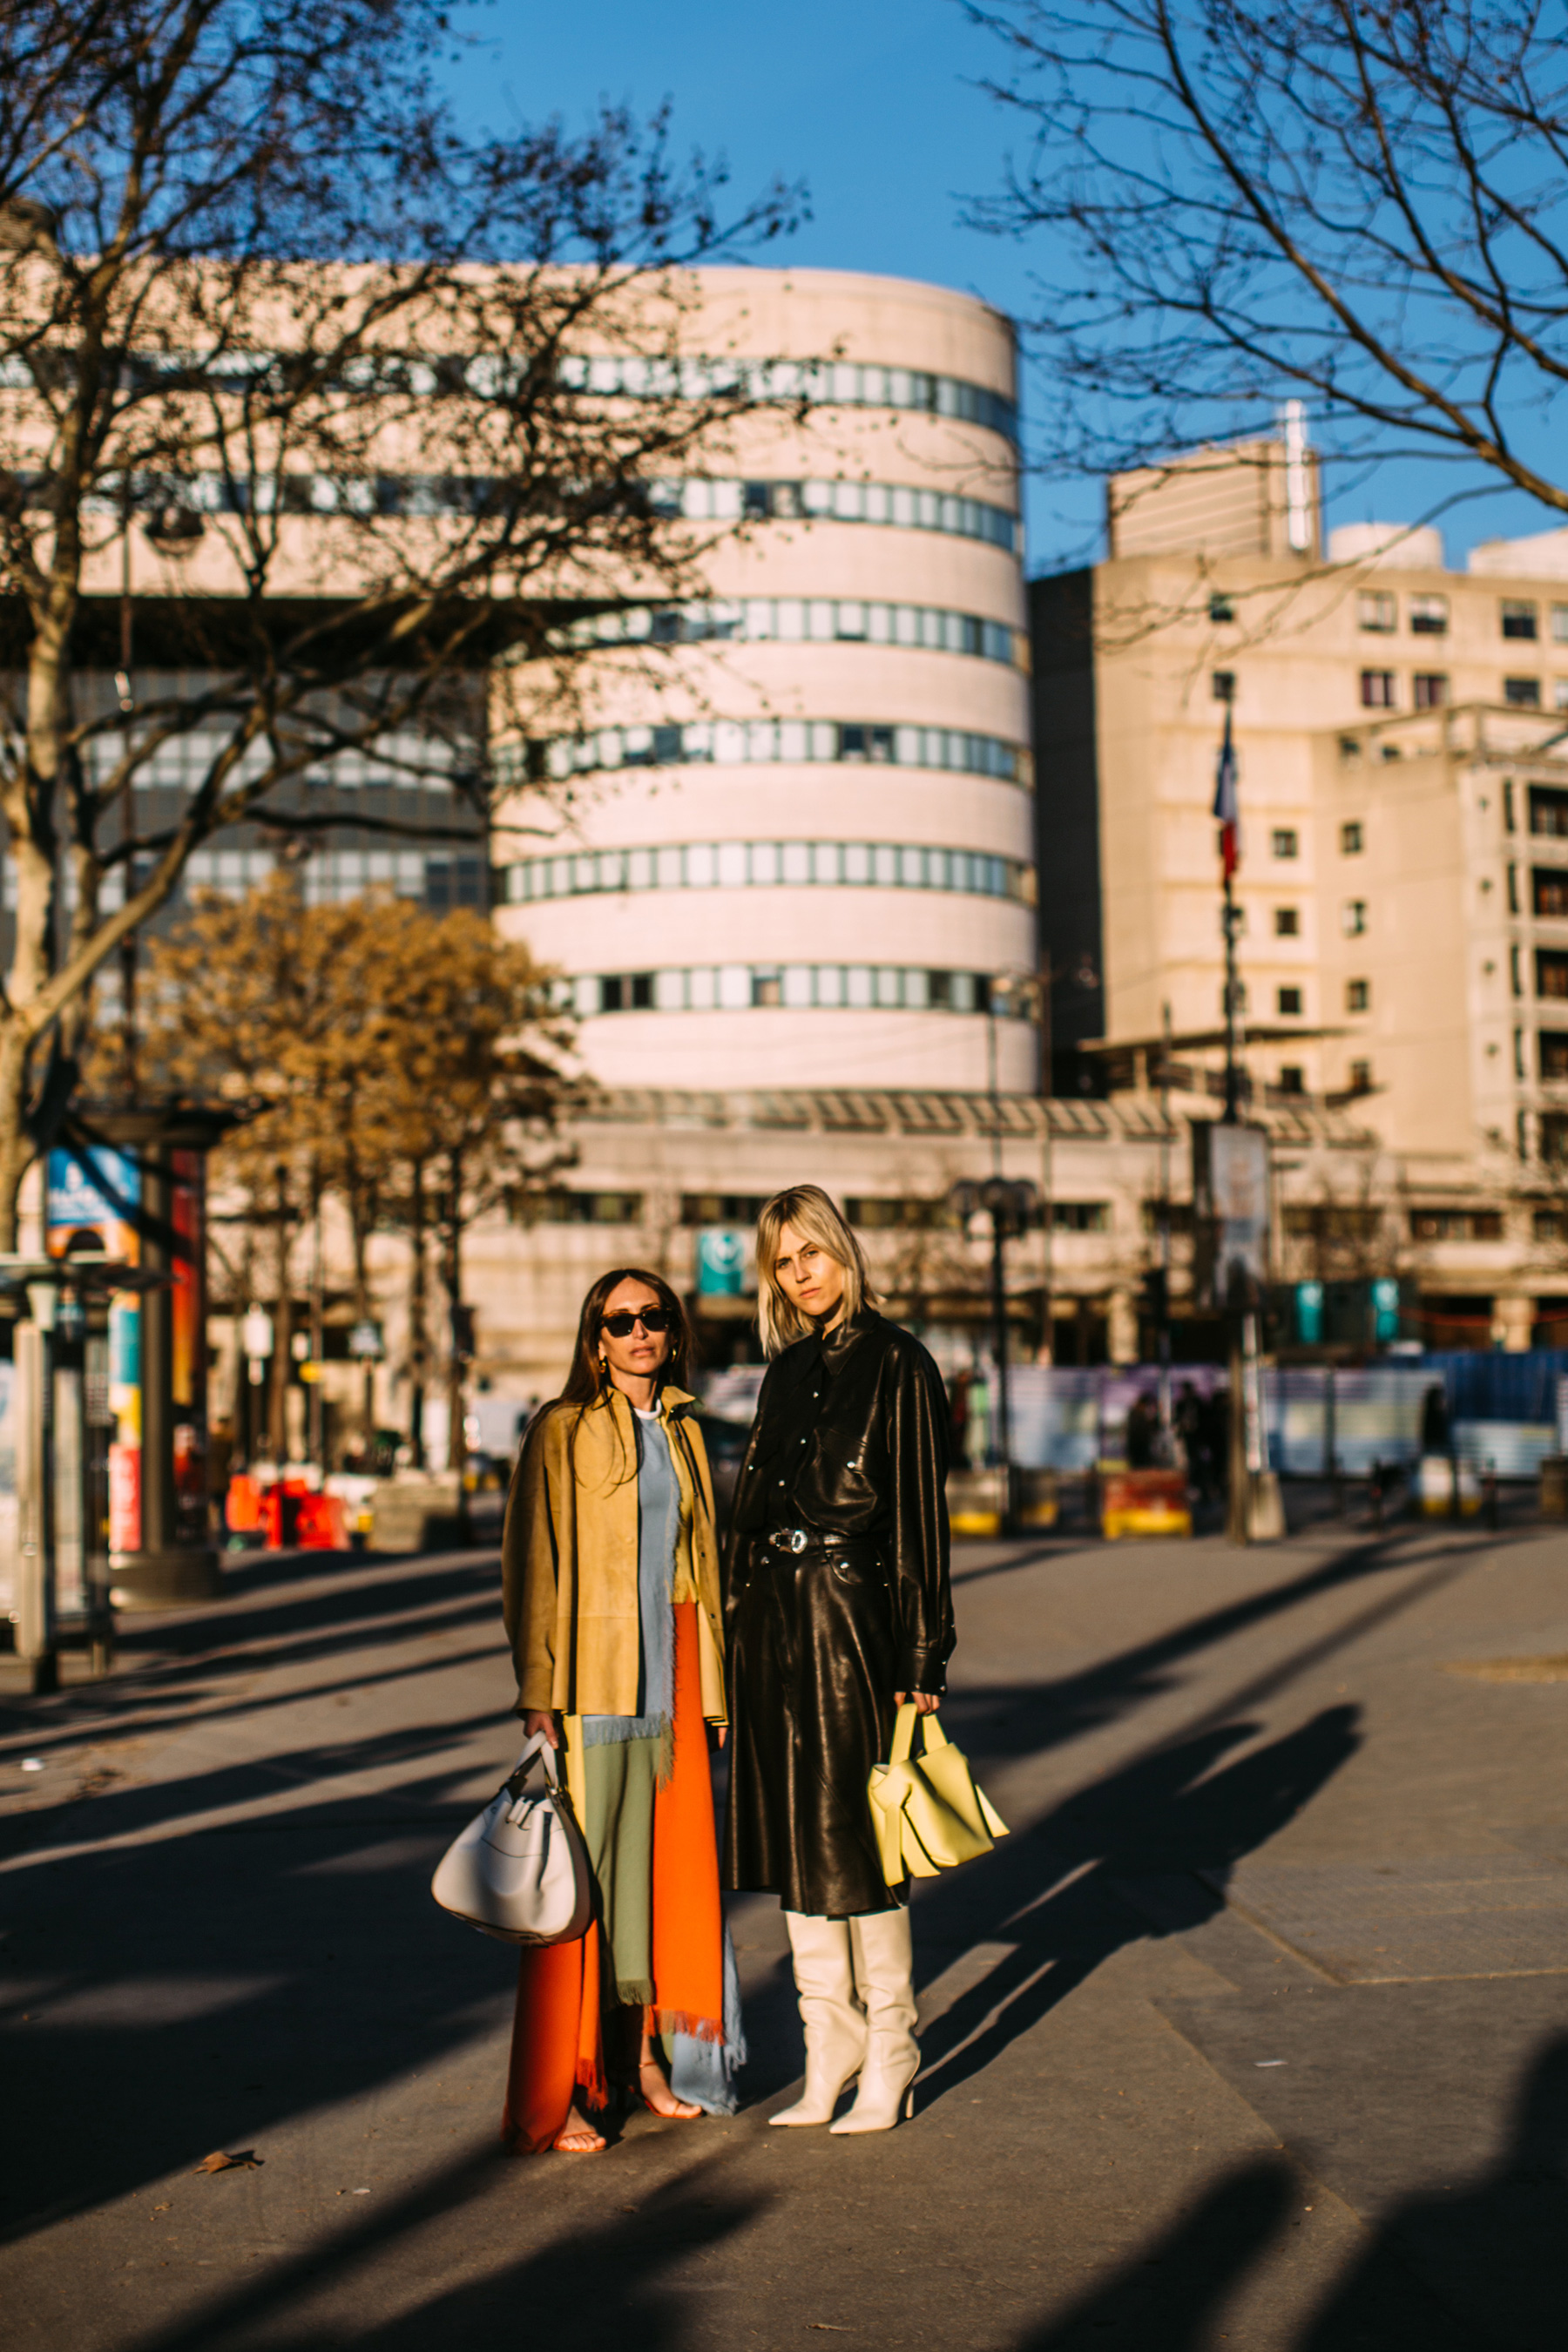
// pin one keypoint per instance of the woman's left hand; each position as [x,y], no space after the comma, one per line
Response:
[926,1702]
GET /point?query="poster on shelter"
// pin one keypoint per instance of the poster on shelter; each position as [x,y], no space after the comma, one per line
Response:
[187,1213]
[91,1200]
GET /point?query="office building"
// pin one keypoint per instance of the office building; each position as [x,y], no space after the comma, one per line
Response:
[1403,892]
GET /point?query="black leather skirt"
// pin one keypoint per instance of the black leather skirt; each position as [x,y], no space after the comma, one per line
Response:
[812,1661]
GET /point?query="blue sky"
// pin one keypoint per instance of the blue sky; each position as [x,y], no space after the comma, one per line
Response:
[876,105]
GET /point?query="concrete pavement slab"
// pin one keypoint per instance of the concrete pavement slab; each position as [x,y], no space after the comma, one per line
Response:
[1146,2116]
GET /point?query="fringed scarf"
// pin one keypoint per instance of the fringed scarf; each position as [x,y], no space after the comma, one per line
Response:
[658,1526]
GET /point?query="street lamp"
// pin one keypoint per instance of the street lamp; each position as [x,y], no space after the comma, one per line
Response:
[1012,1207]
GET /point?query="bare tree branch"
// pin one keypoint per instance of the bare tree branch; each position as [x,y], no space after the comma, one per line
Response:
[288,357]
[1366,206]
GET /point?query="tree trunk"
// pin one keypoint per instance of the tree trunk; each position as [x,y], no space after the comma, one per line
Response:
[282,1328]
[416,1332]
[457,1447]
[361,1220]
[244,1433]
[28,803]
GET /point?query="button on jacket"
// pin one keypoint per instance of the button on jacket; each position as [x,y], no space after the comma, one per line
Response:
[851,1443]
[851,1438]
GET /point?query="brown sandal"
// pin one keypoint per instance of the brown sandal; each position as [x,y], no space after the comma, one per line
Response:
[678,2111]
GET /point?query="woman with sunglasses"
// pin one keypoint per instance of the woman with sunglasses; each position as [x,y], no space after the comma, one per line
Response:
[610,1573]
[838,1611]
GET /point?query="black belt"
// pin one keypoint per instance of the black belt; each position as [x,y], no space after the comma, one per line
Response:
[801,1540]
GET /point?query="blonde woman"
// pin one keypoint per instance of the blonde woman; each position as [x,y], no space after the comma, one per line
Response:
[610,1573]
[838,1608]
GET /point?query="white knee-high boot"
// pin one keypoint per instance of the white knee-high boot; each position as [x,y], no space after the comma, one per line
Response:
[884,1977]
[833,2021]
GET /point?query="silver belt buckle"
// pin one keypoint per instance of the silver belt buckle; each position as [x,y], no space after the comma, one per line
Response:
[790,1540]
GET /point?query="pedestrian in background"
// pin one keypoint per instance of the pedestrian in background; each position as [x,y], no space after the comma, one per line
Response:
[838,1607]
[610,1578]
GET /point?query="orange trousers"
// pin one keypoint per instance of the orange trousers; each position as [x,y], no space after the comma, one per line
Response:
[557,2039]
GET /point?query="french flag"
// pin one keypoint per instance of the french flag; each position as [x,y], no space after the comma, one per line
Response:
[1225,807]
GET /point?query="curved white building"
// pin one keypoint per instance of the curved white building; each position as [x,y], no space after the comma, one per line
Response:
[804,857]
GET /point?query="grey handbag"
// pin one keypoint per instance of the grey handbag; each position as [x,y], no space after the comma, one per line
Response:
[520,1871]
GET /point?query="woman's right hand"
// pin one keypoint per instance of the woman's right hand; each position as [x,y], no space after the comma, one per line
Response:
[536,1722]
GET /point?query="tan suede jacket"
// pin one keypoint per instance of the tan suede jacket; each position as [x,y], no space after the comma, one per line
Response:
[569,1558]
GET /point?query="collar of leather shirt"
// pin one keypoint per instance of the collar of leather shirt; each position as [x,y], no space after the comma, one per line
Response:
[837,1344]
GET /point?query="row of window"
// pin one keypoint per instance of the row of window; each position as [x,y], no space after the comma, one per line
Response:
[1377,611]
[331,877]
[729,742]
[738,987]
[761,864]
[327,878]
[831,384]
[1300,1222]
[1353,918]
[1429,690]
[802,620]
[871,1212]
[401,760]
[895,504]
[492,376]
[704,498]
[1289,1003]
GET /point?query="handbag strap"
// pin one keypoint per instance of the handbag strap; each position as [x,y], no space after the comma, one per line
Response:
[903,1733]
[537,1746]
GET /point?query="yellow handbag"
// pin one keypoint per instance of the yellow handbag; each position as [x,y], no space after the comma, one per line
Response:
[928,1811]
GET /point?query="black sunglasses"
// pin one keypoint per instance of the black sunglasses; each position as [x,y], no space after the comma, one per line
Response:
[652,1318]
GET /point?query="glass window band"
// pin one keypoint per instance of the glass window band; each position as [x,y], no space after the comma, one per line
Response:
[803,620]
[763,865]
[737,988]
[738,742]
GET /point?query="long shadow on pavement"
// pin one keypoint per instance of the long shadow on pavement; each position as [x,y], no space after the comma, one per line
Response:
[596,2283]
[1478,2269]
[1492,2251]
[196,1986]
[1055,1900]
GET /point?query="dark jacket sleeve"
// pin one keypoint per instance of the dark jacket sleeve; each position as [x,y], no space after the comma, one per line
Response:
[918,1423]
[744,1510]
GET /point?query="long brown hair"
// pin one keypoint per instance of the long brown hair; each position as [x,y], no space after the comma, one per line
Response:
[584,1381]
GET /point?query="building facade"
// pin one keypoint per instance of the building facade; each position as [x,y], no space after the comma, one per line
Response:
[798,850]
[1403,923]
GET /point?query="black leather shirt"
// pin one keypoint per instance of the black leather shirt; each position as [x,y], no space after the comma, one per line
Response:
[851,1438]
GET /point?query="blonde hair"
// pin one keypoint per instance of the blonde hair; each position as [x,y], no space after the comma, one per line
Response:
[818,1219]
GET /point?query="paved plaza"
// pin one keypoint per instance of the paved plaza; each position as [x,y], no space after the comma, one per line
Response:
[1254,2033]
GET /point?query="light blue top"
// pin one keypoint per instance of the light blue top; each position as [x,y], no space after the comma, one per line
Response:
[659,1523]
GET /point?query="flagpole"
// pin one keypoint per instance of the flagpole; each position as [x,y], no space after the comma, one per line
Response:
[1232,1007]
[1242,1350]
[1228,814]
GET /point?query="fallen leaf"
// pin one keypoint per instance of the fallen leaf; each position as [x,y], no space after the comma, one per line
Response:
[244,2161]
[162,2209]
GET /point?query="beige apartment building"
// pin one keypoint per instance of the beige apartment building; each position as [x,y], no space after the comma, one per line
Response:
[1404,884]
